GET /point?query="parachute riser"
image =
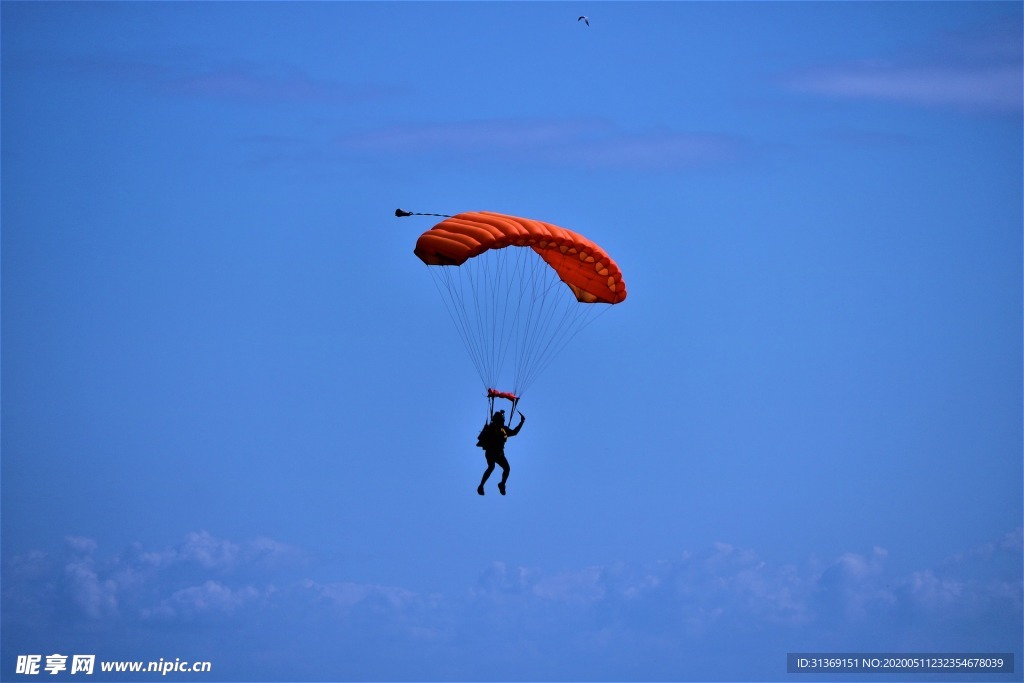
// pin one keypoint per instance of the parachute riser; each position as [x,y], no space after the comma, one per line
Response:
[493,394]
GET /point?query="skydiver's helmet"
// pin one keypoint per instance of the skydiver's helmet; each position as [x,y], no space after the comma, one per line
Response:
[498,417]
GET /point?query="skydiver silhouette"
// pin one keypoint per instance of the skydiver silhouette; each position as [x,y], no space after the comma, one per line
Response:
[492,440]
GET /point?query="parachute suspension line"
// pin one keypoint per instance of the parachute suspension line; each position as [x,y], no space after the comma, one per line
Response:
[561,319]
[502,283]
[524,258]
[462,285]
[483,285]
[533,308]
[513,304]
[547,296]
[488,283]
[500,333]
[552,303]
[498,310]
[566,334]
[456,311]
[480,285]
[472,295]
[510,301]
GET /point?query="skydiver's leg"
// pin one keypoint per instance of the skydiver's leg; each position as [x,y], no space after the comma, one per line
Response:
[487,473]
[505,469]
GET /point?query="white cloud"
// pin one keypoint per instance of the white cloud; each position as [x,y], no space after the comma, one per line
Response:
[484,136]
[582,586]
[202,549]
[211,598]
[1011,543]
[96,597]
[81,545]
[977,69]
[499,580]
[730,589]
[853,587]
[191,76]
[987,88]
[347,594]
[208,551]
[189,580]
[573,143]
[932,592]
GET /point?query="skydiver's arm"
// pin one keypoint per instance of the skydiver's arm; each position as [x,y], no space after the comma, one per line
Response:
[513,432]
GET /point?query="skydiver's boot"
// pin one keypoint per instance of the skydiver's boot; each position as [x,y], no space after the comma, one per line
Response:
[480,489]
[501,488]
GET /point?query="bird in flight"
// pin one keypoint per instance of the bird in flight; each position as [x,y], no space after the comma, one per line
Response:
[584,20]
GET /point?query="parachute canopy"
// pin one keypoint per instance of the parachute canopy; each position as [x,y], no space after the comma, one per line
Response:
[588,271]
[502,280]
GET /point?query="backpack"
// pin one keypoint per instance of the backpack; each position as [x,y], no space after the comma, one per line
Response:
[489,437]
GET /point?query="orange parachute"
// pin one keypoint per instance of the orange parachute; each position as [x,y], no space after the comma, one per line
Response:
[582,265]
[502,280]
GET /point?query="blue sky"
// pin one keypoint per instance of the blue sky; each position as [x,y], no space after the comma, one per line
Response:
[238,425]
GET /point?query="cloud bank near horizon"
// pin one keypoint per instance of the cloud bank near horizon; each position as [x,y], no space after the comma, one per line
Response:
[625,619]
